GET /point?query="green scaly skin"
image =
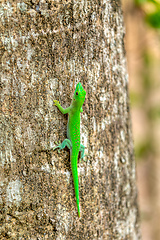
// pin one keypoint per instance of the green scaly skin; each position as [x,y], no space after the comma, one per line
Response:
[73,134]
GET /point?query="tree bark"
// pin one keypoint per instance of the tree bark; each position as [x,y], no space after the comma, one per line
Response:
[46,48]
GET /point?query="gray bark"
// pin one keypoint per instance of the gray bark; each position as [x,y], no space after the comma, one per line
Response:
[46,48]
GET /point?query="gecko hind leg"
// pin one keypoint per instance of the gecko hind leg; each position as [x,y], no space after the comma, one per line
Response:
[82,148]
[65,143]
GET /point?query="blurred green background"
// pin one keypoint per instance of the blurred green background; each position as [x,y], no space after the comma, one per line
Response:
[142,41]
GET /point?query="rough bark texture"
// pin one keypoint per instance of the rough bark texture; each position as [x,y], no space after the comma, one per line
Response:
[46,47]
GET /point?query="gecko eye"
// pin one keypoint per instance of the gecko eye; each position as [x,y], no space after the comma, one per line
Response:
[76,93]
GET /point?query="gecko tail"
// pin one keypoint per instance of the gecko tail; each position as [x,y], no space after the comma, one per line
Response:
[78,207]
[76,184]
[77,203]
[79,214]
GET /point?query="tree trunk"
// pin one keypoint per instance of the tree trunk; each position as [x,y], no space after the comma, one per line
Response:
[46,48]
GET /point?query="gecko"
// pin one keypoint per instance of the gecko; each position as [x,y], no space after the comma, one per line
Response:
[73,135]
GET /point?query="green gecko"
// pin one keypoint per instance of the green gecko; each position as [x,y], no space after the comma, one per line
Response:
[73,134]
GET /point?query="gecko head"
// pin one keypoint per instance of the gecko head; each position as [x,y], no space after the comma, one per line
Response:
[79,94]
